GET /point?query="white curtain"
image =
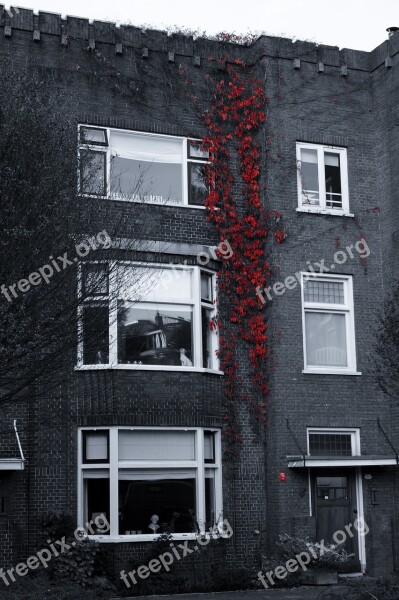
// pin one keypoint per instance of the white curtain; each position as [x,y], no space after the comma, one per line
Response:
[326,339]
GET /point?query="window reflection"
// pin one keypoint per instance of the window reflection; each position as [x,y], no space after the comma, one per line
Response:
[169,495]
[153,335]
[146,181]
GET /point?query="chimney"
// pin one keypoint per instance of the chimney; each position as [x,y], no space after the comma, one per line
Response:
[391,31]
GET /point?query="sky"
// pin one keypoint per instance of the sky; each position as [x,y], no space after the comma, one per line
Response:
[358,24]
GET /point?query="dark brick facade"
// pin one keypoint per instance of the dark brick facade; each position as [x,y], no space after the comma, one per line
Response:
[358,110]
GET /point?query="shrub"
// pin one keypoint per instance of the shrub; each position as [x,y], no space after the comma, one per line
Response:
[323,556]
[81,560]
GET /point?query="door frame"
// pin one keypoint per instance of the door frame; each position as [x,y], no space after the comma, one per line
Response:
[358,487]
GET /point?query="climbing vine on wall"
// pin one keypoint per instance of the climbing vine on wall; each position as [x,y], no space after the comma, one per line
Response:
[236,209]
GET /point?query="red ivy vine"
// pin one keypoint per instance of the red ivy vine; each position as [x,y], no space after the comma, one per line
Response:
[235,116]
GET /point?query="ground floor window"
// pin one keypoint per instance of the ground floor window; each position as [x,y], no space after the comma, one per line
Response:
[150,481]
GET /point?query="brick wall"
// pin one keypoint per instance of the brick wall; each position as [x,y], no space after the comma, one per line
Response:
[144,89]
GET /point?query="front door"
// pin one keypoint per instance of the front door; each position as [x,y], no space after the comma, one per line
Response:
[335,507]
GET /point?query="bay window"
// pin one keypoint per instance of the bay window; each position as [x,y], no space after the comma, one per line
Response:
[150,481]
[328,323]
[322,179]
[135,316]
[142,167]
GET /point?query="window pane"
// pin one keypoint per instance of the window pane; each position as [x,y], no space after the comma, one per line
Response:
[209,447]
[146,181]
[325,339]
[96,491]
[207,355]
[197,184]
[333,180]
[210,504]
[153,285]
[155,335]
[96,446]
[206,287]
[156,445]
[326,444]
[94,136]
[92,172]
[95,280]
[195,150]
[95,334]
[332,488]
[331,292]
[150,502]
[309,177]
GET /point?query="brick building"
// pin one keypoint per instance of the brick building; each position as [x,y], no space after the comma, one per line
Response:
[134,429]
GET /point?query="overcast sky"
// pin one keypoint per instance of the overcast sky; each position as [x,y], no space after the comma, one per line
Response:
[358,24]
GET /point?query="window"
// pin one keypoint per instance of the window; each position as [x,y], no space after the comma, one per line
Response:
[328,324]
[142,167]
[333,442]
[146,480]
[147,317]
[322,179]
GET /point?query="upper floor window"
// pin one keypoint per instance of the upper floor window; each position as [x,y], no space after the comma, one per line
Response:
[142,167]
[328,324]
[147,316]
[322,179]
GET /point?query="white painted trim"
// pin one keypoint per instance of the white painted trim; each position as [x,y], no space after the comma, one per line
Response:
[113,469]
[347,309]
[355,461]
[147,368]
[353,431]
[194,302]
[329,372]
[107,149]
[12,464]
[310,493]
[321,149]
[360,515]
[318,211]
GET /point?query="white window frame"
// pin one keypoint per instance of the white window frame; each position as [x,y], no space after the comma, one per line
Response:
[354,433]
[198,464]
[322,208]
[195,302]
[107,150]
[346,309]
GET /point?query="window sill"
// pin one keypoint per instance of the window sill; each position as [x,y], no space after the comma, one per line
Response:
[319,211]
[169,204]
[329,372]
[117,539]
[148,368]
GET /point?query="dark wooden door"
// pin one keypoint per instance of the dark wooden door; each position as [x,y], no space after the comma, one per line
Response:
[335,506]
